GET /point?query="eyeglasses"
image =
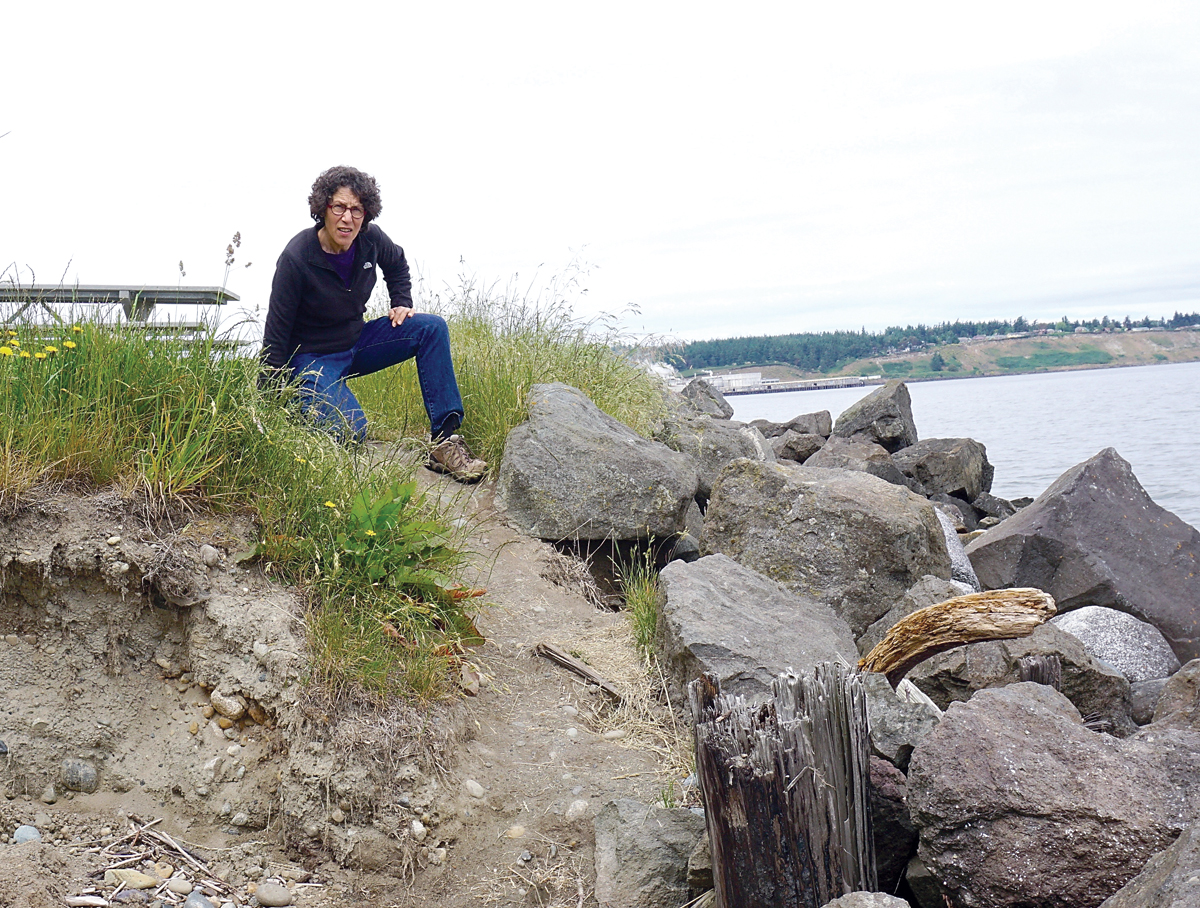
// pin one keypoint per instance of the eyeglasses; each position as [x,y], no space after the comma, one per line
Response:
[339,210]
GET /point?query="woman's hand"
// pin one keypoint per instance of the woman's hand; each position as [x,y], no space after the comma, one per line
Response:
[398,314]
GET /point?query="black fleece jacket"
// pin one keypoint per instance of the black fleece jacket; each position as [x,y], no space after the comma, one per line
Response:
[311,308]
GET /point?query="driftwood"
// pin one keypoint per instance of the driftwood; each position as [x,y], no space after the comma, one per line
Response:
[991,615]
[570,663]
[786,790]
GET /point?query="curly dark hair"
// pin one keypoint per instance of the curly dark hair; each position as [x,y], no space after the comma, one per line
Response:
[361,184]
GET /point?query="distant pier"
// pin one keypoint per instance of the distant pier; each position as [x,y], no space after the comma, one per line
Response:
[814,384]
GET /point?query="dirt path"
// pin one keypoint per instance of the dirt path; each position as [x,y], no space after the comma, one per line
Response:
[509,822]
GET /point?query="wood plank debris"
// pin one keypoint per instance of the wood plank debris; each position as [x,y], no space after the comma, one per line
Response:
[570,663]
[990,615]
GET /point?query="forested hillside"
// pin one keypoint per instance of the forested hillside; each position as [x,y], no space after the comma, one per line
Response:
[831,350]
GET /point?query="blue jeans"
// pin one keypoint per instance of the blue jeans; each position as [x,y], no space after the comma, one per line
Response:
[325,398]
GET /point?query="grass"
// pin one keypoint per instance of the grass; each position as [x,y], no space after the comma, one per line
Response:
[1055,359]
[180,425]
[639,587]
[503,342]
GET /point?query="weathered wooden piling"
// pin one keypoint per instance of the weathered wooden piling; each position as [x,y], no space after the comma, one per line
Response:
[786,790]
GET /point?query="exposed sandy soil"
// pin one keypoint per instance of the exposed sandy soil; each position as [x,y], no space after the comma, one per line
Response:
[111,650]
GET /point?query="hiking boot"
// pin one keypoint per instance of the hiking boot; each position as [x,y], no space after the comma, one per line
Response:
[454,458]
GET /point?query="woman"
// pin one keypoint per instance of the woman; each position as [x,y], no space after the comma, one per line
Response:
[315,334]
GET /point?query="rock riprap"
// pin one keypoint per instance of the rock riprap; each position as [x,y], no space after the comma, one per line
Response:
[949,466]
[642,854]
[845,538]
[884,416]
[1094,537]
[571,471]
[1136,649]
[718,616]
[1019,804]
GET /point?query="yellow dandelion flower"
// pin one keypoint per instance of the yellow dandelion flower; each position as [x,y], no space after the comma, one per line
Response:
[70,345]
[77,329]
[370,532]
[50,349]
[25,354]
[6,351]
[330,504]
[15,343]
[301,460]
[12,333]
[39,355]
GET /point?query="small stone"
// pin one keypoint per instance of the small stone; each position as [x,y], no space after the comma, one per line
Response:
[296,875]
[257,713]
[419,831]
[514,832]
[210,556]
[233,750]
[473,788]
[79,775]
[120,567]
[577,809]
[570,711]
[437,856]
[193,727]
[337,816]
[113,540]
[163,870]
[25,834]
[272,895]
[181,687]
[49,794]
[572,732]
[208,712]
[526,857]
[133,879]
[198,900]
[223,722]
[232,706]
[615,734]
[12,639]
[241,818]
[179,886]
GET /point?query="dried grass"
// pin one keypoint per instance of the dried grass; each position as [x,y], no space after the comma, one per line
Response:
[571,572]
[555,876]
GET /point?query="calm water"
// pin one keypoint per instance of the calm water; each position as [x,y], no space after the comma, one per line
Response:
[1037,426]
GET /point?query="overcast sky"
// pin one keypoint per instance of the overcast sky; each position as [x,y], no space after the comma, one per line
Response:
[771,168]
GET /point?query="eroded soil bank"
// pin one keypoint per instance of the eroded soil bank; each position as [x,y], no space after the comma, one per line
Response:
[147,676]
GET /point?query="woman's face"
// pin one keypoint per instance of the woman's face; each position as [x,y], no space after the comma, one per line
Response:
[340,231]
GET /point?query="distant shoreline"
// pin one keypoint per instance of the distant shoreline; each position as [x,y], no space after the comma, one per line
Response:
[992,357]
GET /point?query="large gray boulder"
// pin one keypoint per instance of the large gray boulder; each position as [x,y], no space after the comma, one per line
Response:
[863,456]
[819,423]
[1018,804]
[718,616]
[1179,702]
[1171,879]
[573,472]
[897,719]
[1136,649]
[951,466]
[1097,690]
[706,399]
[796,446]
[891,826]
[848,539]
[642,854]
[961,569]
[713,443]
[884,416]
[1094,537]
[867,900]
[929,590]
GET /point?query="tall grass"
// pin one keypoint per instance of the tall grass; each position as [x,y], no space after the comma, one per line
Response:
[180,425]
[504,341]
